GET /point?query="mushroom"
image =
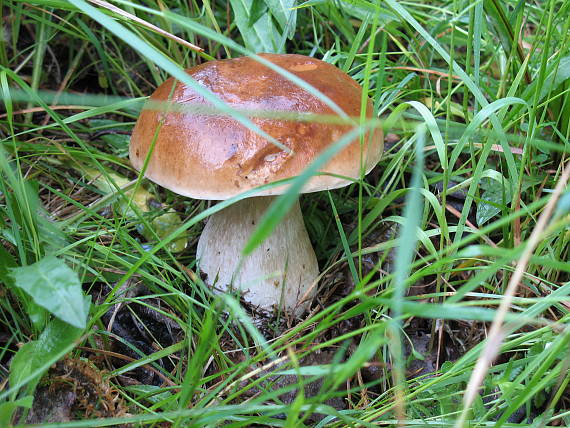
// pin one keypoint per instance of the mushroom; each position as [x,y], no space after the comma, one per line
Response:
[213,156]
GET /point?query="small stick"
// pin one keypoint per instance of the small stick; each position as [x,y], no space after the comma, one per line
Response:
[148,25]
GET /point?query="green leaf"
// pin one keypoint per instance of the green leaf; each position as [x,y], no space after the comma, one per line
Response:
[34,358]
[503,26]
[164,225]
[493,199]
[258,9]
[260,36]
[557,74]
[24,363]
[114,134]
[109,181]
[6,263]
[285,14]
[55,287]
[8,408]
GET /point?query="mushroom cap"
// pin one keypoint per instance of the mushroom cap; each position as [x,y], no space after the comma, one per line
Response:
[210,155]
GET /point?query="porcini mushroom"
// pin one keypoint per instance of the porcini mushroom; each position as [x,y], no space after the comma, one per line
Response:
[213,156]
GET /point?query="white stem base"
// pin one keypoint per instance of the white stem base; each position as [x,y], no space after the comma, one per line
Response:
[278,274]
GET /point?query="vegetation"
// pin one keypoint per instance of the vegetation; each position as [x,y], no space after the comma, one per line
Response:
[444,298]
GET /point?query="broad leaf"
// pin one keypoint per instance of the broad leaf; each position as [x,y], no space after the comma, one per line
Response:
[558,74]
[495,196]
[6,262]
[34,358]
[8,408]
[55,287]
[285,14]
[159,227]
[260,36]
[258,9]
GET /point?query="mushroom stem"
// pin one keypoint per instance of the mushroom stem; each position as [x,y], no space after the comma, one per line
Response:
[279,272]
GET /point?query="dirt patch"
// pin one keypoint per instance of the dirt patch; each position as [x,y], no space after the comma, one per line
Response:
[74,389]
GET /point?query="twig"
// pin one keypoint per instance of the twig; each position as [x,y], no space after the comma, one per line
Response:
[457,214]
[129,359]
[254,373]
[148,25]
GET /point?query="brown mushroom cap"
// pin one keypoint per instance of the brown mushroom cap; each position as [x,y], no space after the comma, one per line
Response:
[213,156]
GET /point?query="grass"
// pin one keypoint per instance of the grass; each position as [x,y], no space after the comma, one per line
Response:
[453,254]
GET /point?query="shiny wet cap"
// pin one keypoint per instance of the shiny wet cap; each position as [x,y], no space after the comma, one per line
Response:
[208,155]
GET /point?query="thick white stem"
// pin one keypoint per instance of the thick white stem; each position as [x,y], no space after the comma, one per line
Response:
[277,274]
